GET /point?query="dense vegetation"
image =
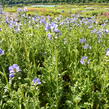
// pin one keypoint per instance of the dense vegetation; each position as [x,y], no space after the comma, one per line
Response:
[51,1]
[54,63]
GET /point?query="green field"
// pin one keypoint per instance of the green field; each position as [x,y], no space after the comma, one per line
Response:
[100,11]
[54,57]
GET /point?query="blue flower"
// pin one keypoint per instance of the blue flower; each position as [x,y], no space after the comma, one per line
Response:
[106,31]
[47,27]
[11,25]
[25,9]
[0,29]
[104,24]
[17,29]
[54,25]
[11,75]
[90,27]
[62,23]
[1,52]
[49,18]
[94,31]
[36,81]
[49,36]
[84,60]
[56,30]
[43,21]
[14,68]
[19,10]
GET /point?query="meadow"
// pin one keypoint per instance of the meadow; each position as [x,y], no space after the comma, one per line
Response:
[55,57]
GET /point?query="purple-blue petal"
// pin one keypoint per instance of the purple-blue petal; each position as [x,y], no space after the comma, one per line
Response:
[11,75]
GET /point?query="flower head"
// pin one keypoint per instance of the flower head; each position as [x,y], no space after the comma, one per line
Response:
[47,27]
[0,29]
[90,27]
[11,75]
[36,81]
[14,68]
[94,31]
[25,9]
[49,36]
[56,30]
[43,21]
[19,10]
[106,31]
[54,25]
[84,60]
[1,52]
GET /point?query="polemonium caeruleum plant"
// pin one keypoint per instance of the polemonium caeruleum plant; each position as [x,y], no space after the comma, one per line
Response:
[66,83]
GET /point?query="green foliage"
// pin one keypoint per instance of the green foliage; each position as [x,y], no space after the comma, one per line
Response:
[50,1]
[56,60]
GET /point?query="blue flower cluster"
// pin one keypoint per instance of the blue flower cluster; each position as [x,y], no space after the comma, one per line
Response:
[36,81]
[13,70]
